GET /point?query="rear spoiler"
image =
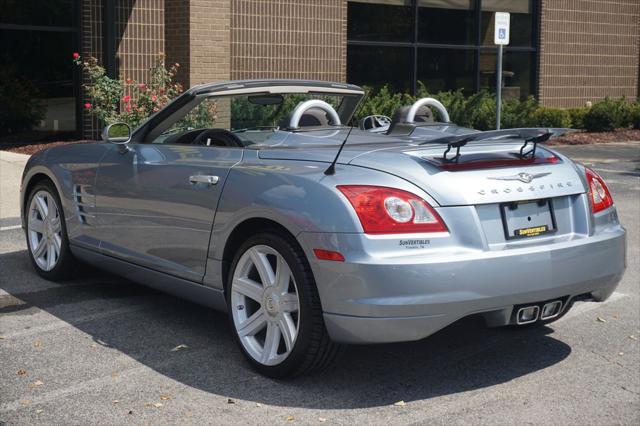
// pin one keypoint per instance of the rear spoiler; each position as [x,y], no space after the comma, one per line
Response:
[532,136]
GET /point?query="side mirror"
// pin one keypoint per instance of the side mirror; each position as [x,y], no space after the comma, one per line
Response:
[117,133]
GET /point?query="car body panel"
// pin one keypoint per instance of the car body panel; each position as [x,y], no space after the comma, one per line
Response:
[135,212]
[70,167]
[149,213]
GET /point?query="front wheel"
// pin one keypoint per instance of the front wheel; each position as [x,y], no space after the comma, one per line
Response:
[47,233]
[274,308]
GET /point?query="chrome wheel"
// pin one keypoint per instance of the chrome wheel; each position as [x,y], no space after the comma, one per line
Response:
[265,305]
[44,230]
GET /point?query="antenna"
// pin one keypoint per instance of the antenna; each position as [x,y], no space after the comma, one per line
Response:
[331,170]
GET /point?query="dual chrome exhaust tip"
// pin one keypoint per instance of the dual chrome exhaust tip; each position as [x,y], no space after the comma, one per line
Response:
[533,313]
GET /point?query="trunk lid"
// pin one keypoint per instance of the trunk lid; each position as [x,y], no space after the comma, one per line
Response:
[488,172]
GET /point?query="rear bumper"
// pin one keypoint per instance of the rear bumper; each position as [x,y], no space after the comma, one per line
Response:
[376,300]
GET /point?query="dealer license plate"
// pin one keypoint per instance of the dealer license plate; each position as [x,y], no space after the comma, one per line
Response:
[527,219]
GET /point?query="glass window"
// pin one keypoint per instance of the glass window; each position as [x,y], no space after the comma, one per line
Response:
[517,73]
[219,121]
[446,69]
[380,20]
[441,42]
[57,13]
[37,76]
[446,21]
[376,66]
[521,28]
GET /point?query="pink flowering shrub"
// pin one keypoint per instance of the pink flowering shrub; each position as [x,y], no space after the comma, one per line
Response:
[114,100]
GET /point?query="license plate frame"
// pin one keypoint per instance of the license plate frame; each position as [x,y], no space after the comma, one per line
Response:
[522,220]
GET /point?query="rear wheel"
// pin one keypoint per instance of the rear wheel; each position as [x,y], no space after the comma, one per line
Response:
[274,308]
[47,233]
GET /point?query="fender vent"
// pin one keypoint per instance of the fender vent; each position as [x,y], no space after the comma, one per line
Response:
[85,204]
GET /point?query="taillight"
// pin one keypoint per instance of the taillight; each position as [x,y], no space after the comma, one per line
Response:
[383,210]
[599,195]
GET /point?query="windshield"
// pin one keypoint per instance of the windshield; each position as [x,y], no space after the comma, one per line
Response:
[247,114]
[254,117]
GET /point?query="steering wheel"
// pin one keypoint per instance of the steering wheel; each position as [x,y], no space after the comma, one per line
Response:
[217,137]
[375,123]
[411,115]
[296,115]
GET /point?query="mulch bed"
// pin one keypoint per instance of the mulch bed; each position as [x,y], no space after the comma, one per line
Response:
[586,138]
[577,138]
[32,148]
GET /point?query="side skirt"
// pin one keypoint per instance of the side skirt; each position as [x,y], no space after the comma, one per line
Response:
[196,293]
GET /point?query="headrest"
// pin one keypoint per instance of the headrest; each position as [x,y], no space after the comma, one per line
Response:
[424,115]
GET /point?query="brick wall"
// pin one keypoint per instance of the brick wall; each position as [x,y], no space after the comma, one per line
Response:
[139,36]
[176,25]
[589,49]
[198,37]
[139,28]
[90,45]
[288,39]
[210,41]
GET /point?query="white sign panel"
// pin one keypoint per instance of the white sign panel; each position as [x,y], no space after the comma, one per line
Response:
[501,31]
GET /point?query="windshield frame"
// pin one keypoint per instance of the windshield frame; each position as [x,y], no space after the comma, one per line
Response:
[181,106]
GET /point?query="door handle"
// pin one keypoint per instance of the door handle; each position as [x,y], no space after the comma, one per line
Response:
[209,180]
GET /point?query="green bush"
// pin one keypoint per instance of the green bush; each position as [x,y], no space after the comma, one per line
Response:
[634,115]
[623,113]
[383,102]
[550,117]
[607,115]
[577,117]
[477,111]
[129,101]
[517,113]
[600,118]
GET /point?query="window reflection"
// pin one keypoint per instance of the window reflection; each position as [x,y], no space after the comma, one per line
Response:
[38,83]
[521,28]
[446,69]
[58,13]
[394,37]
[377,65]
[446,21]
[379,20]
[517,73]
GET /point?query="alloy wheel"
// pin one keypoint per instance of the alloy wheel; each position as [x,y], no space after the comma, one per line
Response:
[44,230]
[265,305]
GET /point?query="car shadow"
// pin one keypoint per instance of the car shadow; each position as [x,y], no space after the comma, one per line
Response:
[463,357]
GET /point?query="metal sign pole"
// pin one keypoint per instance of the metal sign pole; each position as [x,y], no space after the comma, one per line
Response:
[499,87]
[502,23]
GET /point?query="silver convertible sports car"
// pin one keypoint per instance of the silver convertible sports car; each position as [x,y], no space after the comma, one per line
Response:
[260,199]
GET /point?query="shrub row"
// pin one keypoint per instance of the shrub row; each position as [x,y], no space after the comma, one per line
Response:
[477,111]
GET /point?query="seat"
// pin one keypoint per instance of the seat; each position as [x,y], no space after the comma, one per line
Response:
[399,123]
[313,117]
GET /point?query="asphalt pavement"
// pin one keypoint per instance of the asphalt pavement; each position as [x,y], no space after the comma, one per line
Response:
[101,350]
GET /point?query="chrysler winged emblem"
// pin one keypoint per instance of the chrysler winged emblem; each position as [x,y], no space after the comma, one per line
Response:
[522,177]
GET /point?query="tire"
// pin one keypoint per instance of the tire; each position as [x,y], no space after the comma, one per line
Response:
[47,241]
[304,346]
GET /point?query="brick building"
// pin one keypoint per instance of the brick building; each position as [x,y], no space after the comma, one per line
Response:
[565,52]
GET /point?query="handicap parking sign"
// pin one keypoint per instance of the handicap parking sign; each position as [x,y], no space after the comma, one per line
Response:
[501,30]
